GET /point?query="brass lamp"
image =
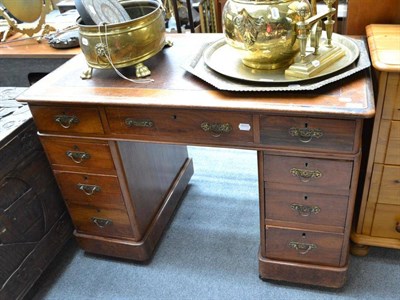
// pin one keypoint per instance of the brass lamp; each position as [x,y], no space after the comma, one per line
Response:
[30,13]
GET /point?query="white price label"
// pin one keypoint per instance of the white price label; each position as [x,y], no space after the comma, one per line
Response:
[275,13]
[85,41]
[315,63]
[244,126]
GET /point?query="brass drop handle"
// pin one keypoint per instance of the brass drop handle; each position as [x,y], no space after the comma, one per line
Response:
[66,121]
[302,248]
[398,227]
[88,189]
[101,222]
[216,129]
[305,175]
[305,135]
[305,210]
[129,122]
[77,156]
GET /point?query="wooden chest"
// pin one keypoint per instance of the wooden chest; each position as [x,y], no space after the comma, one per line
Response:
[34,224]
[379,218]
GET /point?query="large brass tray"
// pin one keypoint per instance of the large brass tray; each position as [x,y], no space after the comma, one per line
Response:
[224,59]
[197,65]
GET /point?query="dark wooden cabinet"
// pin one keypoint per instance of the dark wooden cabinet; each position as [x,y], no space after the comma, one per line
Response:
[34,223]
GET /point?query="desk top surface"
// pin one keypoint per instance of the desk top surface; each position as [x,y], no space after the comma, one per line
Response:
[20,46]
[173,87]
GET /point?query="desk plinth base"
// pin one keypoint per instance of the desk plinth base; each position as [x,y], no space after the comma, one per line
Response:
[141,250]
[302,273]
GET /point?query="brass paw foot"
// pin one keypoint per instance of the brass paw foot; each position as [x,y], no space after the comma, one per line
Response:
[87,74]
[168,43]
[142,70]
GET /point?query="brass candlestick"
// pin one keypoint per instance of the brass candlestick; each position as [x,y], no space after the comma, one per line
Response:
[314,55]
[329,22]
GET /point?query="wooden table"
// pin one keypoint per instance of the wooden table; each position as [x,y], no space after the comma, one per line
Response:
[22,58]
[118,151]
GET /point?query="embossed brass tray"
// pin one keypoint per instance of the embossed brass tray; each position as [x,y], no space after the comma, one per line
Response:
[225,60]
[197,65]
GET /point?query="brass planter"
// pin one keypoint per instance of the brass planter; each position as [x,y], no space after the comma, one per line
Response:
[263,32]
[127,43]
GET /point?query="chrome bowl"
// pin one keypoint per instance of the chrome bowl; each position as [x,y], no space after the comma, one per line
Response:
[126,43]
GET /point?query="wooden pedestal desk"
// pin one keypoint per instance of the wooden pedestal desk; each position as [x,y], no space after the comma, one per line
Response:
[118,151]
[379,218]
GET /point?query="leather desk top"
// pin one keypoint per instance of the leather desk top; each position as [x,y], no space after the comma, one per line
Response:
[351,97]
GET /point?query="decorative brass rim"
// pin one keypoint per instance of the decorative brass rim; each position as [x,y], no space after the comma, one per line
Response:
[219,51]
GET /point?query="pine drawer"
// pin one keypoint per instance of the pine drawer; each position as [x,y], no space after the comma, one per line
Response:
[189,126]
[386,221]
[67,119]
[389,190]
[309,133]
[312,247]
[393,144]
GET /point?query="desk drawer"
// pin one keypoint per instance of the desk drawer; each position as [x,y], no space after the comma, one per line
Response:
[88,189]
[310,208]
[78,153]
[67,119]
[303,246]
[103,222]
[182,125]
[308,133]
[304,171]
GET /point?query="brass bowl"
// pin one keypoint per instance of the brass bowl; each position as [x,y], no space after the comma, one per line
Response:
[263,32]
[126,43]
